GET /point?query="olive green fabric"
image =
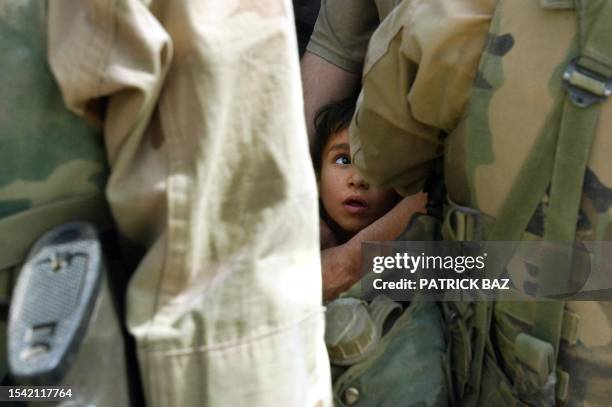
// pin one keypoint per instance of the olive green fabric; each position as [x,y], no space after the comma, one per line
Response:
[7,278]
[428,92]
[406,368]
[342,31]
[54,167]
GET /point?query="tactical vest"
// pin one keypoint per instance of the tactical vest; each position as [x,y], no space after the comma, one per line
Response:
[531,160]
[54,167]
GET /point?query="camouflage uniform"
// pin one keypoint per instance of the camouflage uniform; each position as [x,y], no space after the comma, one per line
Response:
[209,171]
[42,147]
[427,92]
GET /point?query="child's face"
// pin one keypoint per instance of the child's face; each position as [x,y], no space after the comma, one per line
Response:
[348,200]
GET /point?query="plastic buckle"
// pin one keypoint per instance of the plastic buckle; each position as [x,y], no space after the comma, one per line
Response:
[584,86]
[470,212]
[53,301]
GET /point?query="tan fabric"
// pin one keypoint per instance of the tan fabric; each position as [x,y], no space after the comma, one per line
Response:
[342,30]
[210,171]
[404,111]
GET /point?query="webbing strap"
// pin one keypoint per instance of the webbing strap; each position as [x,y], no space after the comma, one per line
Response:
[559,158]
[577,130]
[573,147]
[576,134]
[596,52]
[524,197]
[518,209]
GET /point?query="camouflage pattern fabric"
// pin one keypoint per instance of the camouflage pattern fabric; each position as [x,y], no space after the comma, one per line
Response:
[484,116]
[54,167]
[53,162]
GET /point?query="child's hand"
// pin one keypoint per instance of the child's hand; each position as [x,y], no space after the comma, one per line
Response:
[415,203]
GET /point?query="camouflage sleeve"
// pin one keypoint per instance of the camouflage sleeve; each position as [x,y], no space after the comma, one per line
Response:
[417,79]
[342,32]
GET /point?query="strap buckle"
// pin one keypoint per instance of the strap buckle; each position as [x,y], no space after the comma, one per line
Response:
[584,86]
[464,222]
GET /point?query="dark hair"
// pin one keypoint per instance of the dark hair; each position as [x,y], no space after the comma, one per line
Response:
[331,119]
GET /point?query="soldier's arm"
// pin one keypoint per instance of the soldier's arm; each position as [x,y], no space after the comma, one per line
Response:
[341,265]
[417,81]
[323,83]
[331,66]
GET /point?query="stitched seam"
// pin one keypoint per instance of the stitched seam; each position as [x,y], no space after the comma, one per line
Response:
[233,343]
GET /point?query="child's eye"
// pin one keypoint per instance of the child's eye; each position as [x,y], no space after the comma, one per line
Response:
[343,160]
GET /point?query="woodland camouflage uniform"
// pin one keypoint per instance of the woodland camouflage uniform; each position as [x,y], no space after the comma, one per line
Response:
[479,82]
[53,164]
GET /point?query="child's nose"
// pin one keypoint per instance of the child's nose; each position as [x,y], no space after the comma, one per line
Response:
[356,181]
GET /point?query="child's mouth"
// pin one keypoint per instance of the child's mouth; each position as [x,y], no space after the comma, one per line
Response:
[355,205]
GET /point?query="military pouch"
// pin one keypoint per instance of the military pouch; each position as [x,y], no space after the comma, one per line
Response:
[405,368]
[535,377]
[478,379]
[496,389]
